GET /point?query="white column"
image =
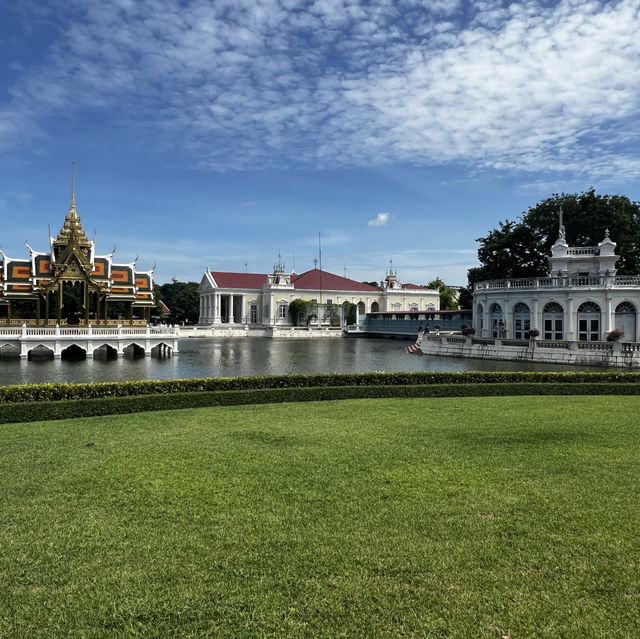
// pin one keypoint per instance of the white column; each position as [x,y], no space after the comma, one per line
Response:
[570,321]
[607,317]
[232,319]
[216,304]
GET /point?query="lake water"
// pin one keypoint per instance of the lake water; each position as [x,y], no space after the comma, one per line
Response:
[213,357]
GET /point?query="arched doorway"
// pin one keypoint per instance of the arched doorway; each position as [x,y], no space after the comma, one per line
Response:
[553,321]
[626,321]
[497,322]
[375,307]
[479,321]
[589,322]
[521,321]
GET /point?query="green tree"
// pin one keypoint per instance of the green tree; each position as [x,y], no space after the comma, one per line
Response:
[447,295]
[183,300]
[465,297]
[521,249]
[349,313]
[299,311]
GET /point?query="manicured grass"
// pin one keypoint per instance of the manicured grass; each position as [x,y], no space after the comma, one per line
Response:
[465,517]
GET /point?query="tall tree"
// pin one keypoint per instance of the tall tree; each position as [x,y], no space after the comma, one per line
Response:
[520,249]
[183,300]
[447,295]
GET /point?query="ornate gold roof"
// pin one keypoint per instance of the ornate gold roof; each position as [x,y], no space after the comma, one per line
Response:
[72,231]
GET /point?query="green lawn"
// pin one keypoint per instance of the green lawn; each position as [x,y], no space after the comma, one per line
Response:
[367,518]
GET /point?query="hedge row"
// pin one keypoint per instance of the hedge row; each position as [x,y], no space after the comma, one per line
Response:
[89,407]
[53,392]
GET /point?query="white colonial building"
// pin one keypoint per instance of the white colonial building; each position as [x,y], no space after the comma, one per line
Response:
[258,299]
[581,299]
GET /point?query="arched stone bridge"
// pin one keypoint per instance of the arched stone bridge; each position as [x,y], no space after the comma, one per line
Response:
[90,338]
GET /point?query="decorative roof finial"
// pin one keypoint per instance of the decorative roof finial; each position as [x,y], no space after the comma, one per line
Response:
[606,234]
[72,208]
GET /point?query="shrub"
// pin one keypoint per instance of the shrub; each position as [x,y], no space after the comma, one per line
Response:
[467,330]
[95,406]
[615,335]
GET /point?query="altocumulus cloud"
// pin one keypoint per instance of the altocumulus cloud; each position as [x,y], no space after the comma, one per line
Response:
[531,85]
[380,220]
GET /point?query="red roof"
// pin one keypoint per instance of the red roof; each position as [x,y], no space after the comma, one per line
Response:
[239,280]
[416,286]
[315,279]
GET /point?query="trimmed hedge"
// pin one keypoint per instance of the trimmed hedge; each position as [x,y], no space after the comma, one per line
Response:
[89,407]
[53,392]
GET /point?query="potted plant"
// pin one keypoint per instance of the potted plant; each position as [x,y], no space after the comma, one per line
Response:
[615,335]
[467,331]
[533,333]
[437,328]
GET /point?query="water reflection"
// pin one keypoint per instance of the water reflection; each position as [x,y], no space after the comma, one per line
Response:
[212,357]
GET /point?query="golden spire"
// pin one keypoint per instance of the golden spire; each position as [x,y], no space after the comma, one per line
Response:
[72,209]
[72,229]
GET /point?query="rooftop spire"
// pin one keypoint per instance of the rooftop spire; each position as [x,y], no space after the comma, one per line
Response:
[72,229]
[72,208]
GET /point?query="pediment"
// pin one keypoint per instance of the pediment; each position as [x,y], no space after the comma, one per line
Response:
[207,284]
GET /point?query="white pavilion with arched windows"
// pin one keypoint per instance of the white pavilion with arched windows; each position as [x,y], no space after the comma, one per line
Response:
[581,299]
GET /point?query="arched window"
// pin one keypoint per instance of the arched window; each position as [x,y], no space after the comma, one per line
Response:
[521,320]
[497,322]
[361,310]
[553,321]
[589,322]
[375,307]
[626,320]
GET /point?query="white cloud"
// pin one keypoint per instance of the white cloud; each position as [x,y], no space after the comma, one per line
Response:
[260,83]
[380,220]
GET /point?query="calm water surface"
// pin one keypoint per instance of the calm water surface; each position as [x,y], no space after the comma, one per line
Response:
[212,357]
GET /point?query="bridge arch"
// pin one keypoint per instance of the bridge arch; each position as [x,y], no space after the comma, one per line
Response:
[40,351]
[73,351]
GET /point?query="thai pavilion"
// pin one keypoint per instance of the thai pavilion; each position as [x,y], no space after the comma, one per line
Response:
[71,284]
[581,299]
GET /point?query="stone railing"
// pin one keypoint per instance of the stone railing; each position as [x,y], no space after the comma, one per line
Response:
[559,282]
[551,344]
[88,331]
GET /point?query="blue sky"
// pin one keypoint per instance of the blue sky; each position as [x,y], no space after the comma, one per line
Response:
[223,132]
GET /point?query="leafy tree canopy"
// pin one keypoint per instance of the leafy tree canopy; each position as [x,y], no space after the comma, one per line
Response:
[521,249]
[447,295]
[182,299]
